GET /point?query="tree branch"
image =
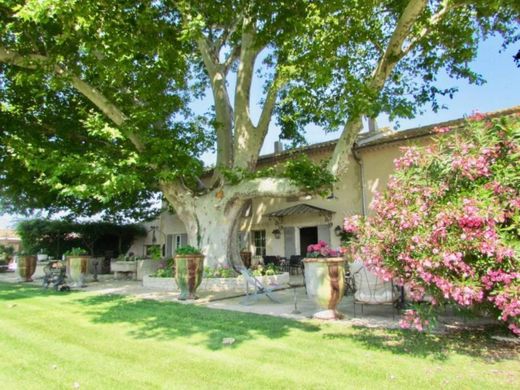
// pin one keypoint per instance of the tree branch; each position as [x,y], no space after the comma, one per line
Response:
[434,21]
[232,57]
[264,187]
[223,110]
[33,61]
[227,33]
[394,50]
[393,53]
[269,104]
[244,79]
[248,138]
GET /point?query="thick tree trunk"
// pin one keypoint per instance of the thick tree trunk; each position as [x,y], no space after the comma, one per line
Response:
[217,230]
[211,222]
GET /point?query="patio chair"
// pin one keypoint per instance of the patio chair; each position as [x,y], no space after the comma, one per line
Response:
[258,287]
[369,289]
[271,260]
[295,263]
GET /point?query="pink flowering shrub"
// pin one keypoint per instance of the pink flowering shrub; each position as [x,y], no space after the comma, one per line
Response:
[448,225]
[321,249]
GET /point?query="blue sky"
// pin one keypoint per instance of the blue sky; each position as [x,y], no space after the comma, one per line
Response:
[502,90]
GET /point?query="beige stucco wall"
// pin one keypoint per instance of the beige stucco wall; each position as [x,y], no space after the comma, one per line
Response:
[346,201]
[378,165]
[139,245]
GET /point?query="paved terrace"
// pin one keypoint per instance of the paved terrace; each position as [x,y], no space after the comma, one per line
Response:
[369,315]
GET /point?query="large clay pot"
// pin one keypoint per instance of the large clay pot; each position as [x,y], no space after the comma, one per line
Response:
[26,265]
[188,274]
[325,283]
[77,267]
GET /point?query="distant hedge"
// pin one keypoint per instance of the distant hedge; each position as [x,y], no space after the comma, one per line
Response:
[56,237]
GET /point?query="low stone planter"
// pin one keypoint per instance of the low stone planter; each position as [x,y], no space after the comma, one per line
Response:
[42,257]
[216,284]
[124,267]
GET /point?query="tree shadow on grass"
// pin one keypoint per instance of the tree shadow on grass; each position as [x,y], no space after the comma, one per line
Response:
[474,343]
[170,320]
[17,291]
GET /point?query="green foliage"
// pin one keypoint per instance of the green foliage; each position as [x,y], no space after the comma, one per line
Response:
[219,272]
[187,250]
[7,250]
[123,257]
[57,236]
[310,176]
[155,252]
[267,270]
[59,151]
[166,269]
[76,252]
[299,168]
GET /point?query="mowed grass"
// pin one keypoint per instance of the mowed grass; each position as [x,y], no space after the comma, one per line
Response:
[51,340]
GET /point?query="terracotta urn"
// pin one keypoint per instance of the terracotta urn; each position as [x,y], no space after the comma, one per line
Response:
[26,265]
[77,267]
[188,274]
[325,284]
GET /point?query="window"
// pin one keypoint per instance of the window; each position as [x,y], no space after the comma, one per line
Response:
[259,241]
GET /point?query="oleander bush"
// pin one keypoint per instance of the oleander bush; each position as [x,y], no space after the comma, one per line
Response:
[448,225]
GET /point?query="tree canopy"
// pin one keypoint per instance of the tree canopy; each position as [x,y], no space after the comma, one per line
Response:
[58,236]
[96,97]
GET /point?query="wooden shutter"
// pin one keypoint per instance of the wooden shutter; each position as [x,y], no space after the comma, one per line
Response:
[169,246]
[289,241]
[324,233]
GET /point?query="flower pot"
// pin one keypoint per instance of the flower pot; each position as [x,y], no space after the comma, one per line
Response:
[246,258]
[188,274]
[77,269]
[325,283]
[26,265]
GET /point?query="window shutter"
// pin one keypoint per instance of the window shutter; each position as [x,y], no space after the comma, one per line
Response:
[289,241]
[324,233]
[169,246]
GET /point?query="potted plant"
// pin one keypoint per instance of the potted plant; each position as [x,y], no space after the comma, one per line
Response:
[77,265]
[124,264]
[325,278]
[26,265]
[189,267]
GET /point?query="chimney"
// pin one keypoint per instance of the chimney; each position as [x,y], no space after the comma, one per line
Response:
[372,125]
[278,147]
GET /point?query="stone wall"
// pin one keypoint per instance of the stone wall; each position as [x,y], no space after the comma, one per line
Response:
[217,284]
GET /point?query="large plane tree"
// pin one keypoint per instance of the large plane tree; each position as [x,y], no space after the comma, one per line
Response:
[96,97]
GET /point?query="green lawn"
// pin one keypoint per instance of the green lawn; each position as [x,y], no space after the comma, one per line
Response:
[58,340]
